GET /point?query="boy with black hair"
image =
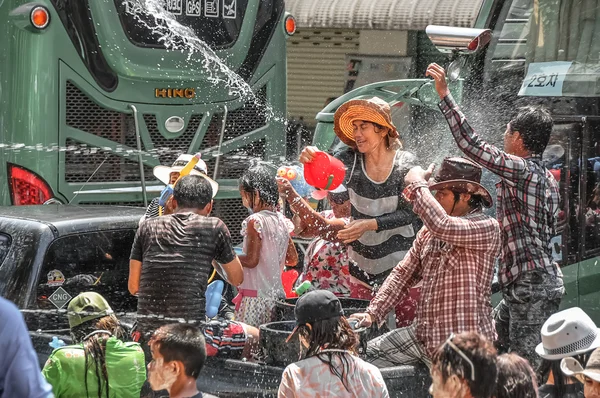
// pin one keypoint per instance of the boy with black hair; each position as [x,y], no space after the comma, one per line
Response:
[527,209]
[178,355]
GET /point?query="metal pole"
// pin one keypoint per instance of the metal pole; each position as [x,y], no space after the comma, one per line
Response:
[220,144]
[139,147]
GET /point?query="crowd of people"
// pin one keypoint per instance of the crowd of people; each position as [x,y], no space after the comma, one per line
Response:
[436,279]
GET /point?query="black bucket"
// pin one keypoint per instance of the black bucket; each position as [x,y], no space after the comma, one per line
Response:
[285,310]
[274,349]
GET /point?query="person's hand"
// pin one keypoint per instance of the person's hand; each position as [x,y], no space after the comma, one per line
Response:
[170,206]
[418,174]
[284,187]
[364,319]
[355,229]
[438,74]
[308,154]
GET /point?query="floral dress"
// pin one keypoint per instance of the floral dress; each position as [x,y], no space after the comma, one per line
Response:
[326,265]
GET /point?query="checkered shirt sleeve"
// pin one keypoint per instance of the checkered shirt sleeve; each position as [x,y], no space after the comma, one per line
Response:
[507,166]
[404,276]
[458,231]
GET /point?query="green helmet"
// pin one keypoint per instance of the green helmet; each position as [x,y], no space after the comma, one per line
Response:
[87,306]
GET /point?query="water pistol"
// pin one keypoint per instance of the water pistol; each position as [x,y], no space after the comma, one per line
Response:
[168,191]
[303,288]
[213,294]
[56,343]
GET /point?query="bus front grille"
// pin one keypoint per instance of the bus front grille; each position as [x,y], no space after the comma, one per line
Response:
[84,162]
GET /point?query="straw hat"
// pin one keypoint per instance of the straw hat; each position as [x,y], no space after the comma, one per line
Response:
[461,175]
[374,110]
[163,173]
[568,333]
[572,368]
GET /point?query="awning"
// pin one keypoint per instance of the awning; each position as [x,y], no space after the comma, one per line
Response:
[383,14]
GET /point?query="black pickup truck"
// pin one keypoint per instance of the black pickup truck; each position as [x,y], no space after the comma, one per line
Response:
[51,253]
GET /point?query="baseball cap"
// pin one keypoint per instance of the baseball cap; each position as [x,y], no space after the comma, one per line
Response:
[316,305]
[86,307]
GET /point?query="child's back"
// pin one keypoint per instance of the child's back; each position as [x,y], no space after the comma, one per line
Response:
[262,284]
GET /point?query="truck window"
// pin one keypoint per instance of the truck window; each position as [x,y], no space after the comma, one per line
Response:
[97,261]
[538,45]
[5,241]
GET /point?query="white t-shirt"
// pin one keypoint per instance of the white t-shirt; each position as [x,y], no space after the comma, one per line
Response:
[274,231]
[312,377]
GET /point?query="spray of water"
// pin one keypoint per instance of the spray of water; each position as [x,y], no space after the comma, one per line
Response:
[176,37]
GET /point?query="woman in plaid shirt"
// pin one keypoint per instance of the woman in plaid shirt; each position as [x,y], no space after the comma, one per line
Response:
[453,255]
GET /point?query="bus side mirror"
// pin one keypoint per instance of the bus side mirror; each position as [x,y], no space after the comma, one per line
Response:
[453,40]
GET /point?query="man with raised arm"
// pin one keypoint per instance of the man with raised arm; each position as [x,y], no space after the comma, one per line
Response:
[527,207]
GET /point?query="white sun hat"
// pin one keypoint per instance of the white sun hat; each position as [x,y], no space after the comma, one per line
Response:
[568,333]
[163,173]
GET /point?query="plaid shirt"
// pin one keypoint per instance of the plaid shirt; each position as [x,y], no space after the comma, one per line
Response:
[454,257]
[527,203]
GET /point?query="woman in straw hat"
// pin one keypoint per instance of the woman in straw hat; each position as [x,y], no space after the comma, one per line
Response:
[567,334]
[382,228]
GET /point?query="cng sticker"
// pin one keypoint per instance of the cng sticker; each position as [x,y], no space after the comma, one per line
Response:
[59,298]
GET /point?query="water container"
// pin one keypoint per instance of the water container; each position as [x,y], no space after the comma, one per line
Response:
[213,294]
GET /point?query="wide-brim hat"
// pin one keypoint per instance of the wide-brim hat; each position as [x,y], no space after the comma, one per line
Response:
[572,368]
[374,110]
[163,173]
[317,305]
[86,307]
[460,174]
[568,333]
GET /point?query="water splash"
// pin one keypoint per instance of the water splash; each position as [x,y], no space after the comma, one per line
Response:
[176,37]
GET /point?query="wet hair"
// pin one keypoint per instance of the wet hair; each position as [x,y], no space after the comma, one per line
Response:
[94,348]
[483,355]
[560,379]
[193,192]
[535,124]
[516,378]
[333,333]
[182,342]
[260,178]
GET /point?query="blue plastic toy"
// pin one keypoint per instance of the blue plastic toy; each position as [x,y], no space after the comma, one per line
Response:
[56,343]
[295,175]
[165,195]
[213,294]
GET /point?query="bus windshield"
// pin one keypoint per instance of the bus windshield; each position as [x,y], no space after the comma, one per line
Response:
[216,22]
[551,47]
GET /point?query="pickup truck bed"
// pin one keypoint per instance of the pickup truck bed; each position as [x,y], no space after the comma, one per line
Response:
[44,248]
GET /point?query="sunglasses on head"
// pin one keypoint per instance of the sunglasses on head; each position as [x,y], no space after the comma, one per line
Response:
[457,350]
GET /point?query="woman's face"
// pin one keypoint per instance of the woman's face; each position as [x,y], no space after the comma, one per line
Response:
[591,388]
[173,177]
[367,136]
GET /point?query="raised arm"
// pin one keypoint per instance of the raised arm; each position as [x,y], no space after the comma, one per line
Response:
[495,160]
[315,224]
[453,230]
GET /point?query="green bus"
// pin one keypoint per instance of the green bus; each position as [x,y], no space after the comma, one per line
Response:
[541,52]
[95,93]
